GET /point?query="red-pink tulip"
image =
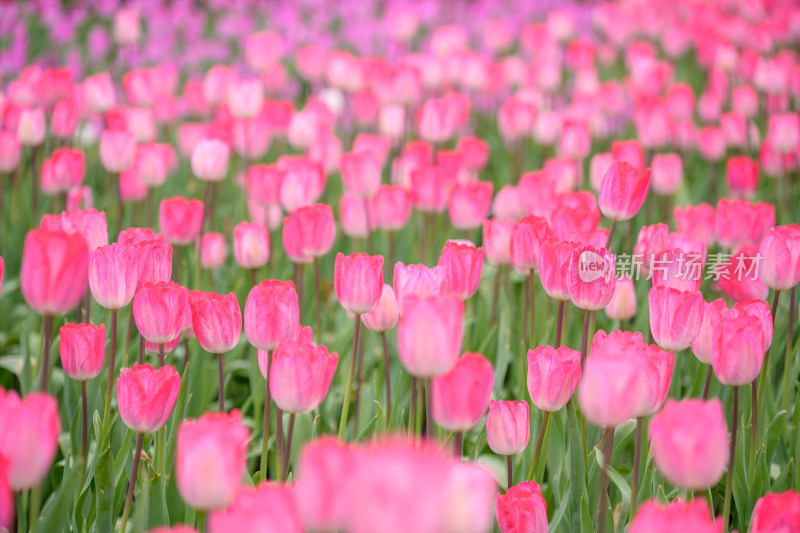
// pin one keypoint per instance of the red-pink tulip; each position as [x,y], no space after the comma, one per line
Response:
[10,151]
[623,191]
[213,250]
[741,174]
[611,388]
[675,316]
[114,274]
[694,516]
[63,171]
[430,334]
[474,152]
[738,222]
[89,223]
[508,427]
[554,260]
[590,277]
[384,315]
[322,481]
[216,320]
[469,204]
[775,513]
[497,240]
[269,507]
[146,396]
[54,271]
[739,278]
[251,245]
[553,376]
[676,269]
[737,349]
[391,207]
[160,310]
[117,150]
[522,509]
[460,397]
[416,280]
[64,119]
[630,152]
[780,252]
[300,375]
[462,265]
[667,173]
[210,459]
[271,314]
[180,219]
[313,228]
[361,173]
[358,281]
[530,232]
[31,446]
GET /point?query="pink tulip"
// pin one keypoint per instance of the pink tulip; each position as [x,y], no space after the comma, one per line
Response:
[430,188]
[623,191]
[10,151]
[216,321]
[210,459]
[251,245]
[323,478]
[497,240]
[469,204]
[460,397]
[522,509]
[160,310]
[780,250]
[437,120]
[31,127]
[667,174]
[384,315]
[180,219]
[675,316]
[303,182]
[270,507]
[245,98]
[391,207]
[98,91]
[54,271]
[737,349]
[508,427]
[611,387]
[271,314]
[462,265]
[783,131]
[127,27]
[553,376]
[89,223]
[300,375]
[64,119]
[530,232]
[354,216]
[680,515]
[741,173]
[689,441]
[361,173]
[430,334]
[676,269]
[63,171]
[264,183]
[146,396]
[32,445]
[210,160]
[474,152]
[554,260]
[358,280]
[117,150]
[776,512]
[739,278]
[313,228]
[213,251]
[155,261]
[113,275]
[416,280]
[622,305]
[739,222]
[591,277]
[630,152]
[83,349]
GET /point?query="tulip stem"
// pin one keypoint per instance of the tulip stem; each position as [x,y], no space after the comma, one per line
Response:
[112,354]
[509,472]
[359,373]
[496,294]
[412,410]
[317,309]
[611,233]
[279,445]
[708,382]
[87,307]
[428,408]
[46,341]
[132,483]
[85,425]
[754,428]
[129,334]
[162,356]
[267,412]
[185,354]
[288,450]
[637,459]
[787,368]
[458,444]
[222,383]
[559,323]
[532,296]
[608,448]
[538,449]
[350,375]
[34,506]
[585,336]
[726,508]
[387,379]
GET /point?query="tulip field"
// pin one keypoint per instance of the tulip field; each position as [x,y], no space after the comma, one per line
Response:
[389,266]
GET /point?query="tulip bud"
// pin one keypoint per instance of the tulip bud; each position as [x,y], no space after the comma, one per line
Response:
[245,98]
[31,127]
[776,512]
[508,427]
[384,315]
[623,191]
[10,152]
[32,445]
[300,375]
[622,305]
[361,173]
[83,350]
[391,207]
[180,219]
[780,249]
[460,397]
[462,265]
[251,245]
[54,271]
[675,316]
[160,311]
[113,275]
[522,509]
[216,321]
[737,350]
[271,314]
[469,204]
[146,396]
[667,174]
[497,240]
[430,334]
[590,277]
[210,160]
[611,388]
[680,515]
[313,228]
[213,251]
[417,280]
[358,280]
[117,150]
[526,242]
[210,459]
[553,376]
[554,260]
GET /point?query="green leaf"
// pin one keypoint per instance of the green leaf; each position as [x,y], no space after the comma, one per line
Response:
[104,487]
[52,517]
